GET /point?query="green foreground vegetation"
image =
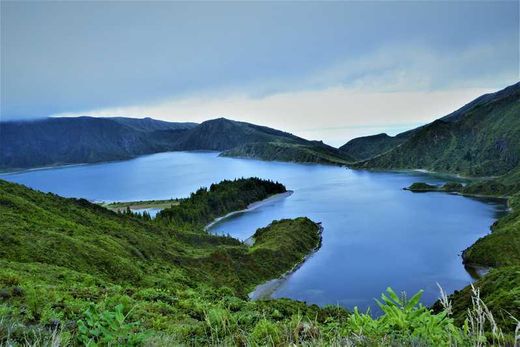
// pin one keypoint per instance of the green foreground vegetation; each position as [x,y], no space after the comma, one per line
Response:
[75,273]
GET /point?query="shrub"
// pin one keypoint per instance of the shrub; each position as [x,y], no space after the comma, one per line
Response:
[265,332]
[108,328]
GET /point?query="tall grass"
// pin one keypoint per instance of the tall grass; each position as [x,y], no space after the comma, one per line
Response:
[223,322]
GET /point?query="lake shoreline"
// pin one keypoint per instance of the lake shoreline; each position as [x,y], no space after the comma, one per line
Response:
[250,207]
[14,171]
[501,198]
[334,196]
[264,290]
[440,174]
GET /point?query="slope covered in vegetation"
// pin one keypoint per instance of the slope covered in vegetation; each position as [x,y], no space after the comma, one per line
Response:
[366,147]
[280,151]
[75,273]
[480,139]
[59,141]
[59,256]
[205,204]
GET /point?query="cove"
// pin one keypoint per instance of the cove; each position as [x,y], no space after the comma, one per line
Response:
[375,234]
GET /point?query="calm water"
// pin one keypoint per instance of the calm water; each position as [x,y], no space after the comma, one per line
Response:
[375,234]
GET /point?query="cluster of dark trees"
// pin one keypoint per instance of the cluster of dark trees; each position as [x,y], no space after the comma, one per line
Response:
[205,204]
[144,215]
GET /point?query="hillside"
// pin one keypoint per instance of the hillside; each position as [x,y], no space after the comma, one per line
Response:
[73,273]
[58,255]
[480,139]
[295,152]
[58,141]
[206,204]
[245,140]
[366,147]
[222,134]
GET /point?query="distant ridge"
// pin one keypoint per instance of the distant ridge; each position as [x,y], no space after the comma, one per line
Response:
[246,140]
[60,141]
[481,138]
[366,147]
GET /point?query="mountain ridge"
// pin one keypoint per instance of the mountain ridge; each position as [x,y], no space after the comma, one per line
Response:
[62,141]
[482,138]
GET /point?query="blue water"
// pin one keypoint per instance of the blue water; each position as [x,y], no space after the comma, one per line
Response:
[375,234]
[151,211]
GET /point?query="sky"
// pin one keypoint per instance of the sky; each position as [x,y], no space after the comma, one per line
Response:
[322,70]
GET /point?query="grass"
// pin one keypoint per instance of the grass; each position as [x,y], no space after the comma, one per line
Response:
[502,246]
[74,273]
[122,206]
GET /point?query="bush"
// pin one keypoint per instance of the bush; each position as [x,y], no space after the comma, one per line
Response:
[108,328]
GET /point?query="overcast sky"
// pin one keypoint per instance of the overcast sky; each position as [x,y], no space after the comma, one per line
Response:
[323,70]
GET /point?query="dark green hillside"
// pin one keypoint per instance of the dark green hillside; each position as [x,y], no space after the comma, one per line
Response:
[499,290]
[280,151]
[480,139]
[205,204]
[57,255]
[502,246]
[75,272]
[481,100]
[366,147]
[245,140]
[222,134]
[58,141]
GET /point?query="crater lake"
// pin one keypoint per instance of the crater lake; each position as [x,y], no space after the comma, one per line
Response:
[375,234]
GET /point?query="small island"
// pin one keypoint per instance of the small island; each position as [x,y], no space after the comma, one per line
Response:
[450,187]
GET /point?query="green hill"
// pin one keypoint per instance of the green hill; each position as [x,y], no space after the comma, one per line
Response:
[295,152]
[74,273]
[245,140]
[480,139]
[366,147]
[206,204]
[59,141]
[58,255]
[222,134]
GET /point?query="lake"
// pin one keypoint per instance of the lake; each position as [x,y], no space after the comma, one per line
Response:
[375,234]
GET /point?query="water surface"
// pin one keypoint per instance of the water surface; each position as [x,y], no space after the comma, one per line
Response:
[375,234]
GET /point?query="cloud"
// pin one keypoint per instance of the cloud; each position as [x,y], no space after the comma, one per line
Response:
[393,89]
[333,114]
[407,67]
[77,56]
